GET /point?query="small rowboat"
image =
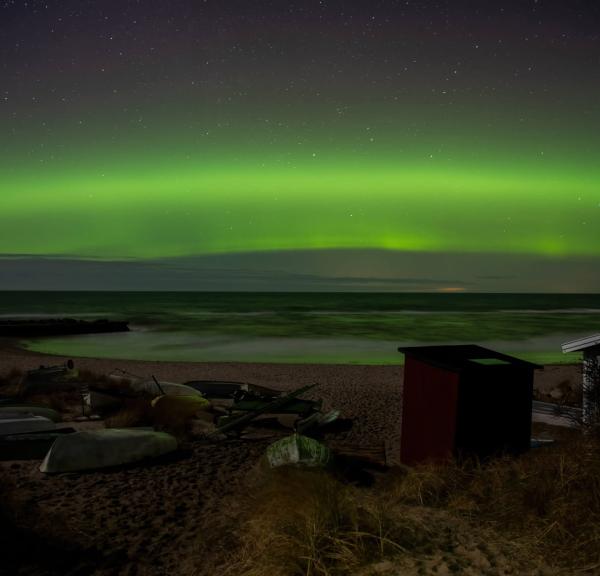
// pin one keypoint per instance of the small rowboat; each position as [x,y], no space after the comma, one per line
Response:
[158,388]
[94,449]
[19,423]
[30,446]
[19,407]
[297,450]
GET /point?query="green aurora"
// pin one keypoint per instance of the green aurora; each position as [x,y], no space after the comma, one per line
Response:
[241,193]
[189,129]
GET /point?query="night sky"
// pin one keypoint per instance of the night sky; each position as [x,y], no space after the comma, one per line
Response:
[185,129]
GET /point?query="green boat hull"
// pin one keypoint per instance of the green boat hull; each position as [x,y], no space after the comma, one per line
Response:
[298,450]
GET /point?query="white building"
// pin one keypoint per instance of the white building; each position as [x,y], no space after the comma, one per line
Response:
[590,346]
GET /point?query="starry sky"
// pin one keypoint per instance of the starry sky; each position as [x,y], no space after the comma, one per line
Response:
[139,131]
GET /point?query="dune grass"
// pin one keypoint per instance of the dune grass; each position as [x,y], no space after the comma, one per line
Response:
[542,510]
[307,522]
[549,499]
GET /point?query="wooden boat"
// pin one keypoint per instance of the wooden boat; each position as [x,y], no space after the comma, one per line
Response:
[30,446]
[225,389]
[94,449]
[15,406]
[17,423]
[160,388]
[144,385]
[297,450]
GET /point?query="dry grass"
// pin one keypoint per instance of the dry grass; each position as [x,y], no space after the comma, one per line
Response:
[544,505]
[306,522]
[549,499]
[9,382]
[102,382]
[139,412]
[135,412]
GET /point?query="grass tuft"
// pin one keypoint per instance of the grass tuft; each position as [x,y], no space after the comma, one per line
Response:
[308,523]
[134,412]
[521,514]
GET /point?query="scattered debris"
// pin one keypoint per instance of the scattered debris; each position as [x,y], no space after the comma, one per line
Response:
[96,401]
[317,421]
[216,389]
[50,378]
[373,456]
[196,410]
[235,423]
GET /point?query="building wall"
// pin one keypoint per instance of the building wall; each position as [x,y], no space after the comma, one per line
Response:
[494,411]
[429,407]
[591,386]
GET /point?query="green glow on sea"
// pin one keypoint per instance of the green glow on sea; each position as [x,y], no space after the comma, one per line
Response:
[176,348]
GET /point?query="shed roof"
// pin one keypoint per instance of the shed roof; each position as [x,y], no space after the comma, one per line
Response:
[465,356]
[581,343]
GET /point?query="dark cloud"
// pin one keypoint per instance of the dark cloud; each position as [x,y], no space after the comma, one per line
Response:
[492,277]
[316,270]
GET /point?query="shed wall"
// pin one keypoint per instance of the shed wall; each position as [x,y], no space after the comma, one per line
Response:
[429,406]
[494,411]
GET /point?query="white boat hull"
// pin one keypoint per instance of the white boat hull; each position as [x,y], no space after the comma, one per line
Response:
[94,449]
[17,423]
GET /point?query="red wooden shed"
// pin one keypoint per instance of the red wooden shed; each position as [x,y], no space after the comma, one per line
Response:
[462,401]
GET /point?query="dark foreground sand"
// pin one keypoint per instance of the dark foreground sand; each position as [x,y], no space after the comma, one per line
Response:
[178,516]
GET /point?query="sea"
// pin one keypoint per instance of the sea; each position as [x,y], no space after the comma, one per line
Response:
[338,328]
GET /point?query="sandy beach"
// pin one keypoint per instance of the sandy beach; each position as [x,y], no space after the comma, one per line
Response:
[175,516]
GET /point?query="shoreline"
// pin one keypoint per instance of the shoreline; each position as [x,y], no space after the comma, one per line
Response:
[177,347]
[13,356]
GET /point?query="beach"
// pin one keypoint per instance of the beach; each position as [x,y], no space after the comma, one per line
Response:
[178,515]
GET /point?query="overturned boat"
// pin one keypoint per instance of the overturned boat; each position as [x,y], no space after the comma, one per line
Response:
[19,407]
[31,445]
[161,388]
[298,450]
[18,423]
[94,449]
